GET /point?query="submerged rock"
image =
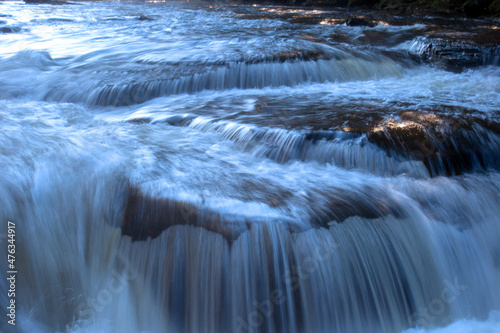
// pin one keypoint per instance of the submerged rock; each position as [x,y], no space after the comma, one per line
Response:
[146,216]
[459,55]
[143,17]
[446,146]
[46,2]
[358,22]
[9,29]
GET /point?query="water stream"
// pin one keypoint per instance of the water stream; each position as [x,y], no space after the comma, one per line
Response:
[192,167]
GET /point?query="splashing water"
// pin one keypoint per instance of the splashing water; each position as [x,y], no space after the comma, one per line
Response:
[184,167]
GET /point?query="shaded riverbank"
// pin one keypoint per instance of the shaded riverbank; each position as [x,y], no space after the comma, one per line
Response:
[436,8]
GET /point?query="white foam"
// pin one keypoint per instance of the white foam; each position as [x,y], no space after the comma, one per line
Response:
[490,325]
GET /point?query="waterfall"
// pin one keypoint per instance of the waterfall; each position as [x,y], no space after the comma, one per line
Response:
[201,168]
[380,274]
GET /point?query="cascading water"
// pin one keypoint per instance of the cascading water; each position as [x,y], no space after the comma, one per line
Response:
[185,167]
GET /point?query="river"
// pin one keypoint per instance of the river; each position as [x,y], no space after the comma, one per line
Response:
[202,167]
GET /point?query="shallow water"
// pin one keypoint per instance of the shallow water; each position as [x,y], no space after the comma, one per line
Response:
[190,167]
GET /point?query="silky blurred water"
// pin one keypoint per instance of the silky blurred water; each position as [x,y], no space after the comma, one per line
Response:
[193,167]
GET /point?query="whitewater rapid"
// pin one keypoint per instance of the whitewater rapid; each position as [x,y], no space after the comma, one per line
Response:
[193,167]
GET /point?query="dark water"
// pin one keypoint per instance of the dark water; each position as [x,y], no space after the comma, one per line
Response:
[185,167]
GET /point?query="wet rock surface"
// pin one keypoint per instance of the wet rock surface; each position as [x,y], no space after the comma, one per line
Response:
[46,2]
[459,54]
[447,146]
[452,42]
[358,22]
[145,216]
[9,29]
